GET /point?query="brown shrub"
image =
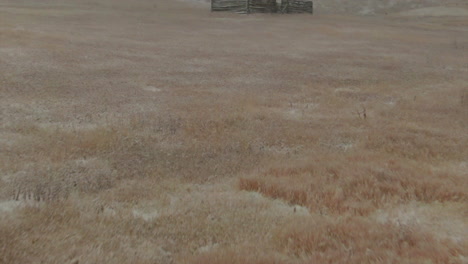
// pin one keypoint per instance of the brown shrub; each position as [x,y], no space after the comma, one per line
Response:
[57,181]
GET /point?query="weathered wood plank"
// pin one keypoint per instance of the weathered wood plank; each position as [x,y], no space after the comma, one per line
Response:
[262,6]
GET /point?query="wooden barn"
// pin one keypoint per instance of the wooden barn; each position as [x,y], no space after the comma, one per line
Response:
[262,6]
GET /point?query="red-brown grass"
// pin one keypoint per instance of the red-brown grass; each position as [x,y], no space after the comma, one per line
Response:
[357,240]
[353,187]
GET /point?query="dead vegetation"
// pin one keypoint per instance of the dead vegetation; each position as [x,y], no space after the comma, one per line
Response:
[162,133]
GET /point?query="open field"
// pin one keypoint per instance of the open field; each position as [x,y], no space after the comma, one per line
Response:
[158,132]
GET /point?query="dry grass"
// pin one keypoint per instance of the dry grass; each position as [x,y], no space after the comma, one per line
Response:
[356,185]
[157,132]
[356,240]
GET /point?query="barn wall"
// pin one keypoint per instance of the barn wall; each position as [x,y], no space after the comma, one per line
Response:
[238,6]
[245,6]
[296,6]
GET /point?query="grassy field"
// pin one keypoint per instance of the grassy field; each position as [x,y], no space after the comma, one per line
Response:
[158,132]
